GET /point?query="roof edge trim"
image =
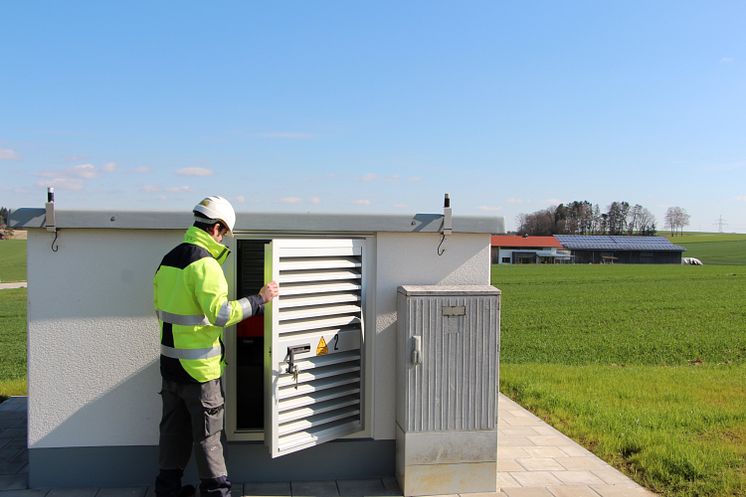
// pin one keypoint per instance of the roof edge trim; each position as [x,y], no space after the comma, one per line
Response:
[34,218]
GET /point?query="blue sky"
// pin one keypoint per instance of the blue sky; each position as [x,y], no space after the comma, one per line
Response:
[376,107]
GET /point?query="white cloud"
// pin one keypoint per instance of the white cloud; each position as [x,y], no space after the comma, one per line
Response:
[741,198]
[369,177]
[150,188]
[514,200]
[400,206]
[490,208]
[415,179]
[109,167]
[291,200]
[61,183]
[361,201]
[86,171]
[240,199]
[72,178]
[315,200]
[179,189]
[195,171]
[9,154]
[553,201]
[727,60]
[141,170]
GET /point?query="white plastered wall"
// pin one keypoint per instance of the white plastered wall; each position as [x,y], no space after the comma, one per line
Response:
[93,337]
[411,258]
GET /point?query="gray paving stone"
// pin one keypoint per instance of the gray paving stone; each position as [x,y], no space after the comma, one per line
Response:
[572,491]
[390,483]
[368,487]
[36,492]
[11,453]
[11,467]
[13,432]
[13,482]
[539,464]
[617,491]
[534,478]
[577,477]
[314,488]
[267,489]
[15,445]
[73,492]
[14,404]
[527,492]
[122,492]
[11,420]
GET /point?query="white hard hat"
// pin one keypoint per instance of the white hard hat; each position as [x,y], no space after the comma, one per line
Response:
[218,209]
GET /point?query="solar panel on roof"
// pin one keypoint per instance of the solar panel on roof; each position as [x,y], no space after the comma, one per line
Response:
[617,242]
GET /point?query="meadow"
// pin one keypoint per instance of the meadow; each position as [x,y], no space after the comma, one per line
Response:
[12,320]
[12,260]
[643,365]
[12,342]
[713,248]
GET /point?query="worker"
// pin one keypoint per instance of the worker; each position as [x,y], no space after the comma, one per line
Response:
[191,299]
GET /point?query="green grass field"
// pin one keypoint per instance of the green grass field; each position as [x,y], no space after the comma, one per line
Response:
[713,248]
[12,260]
[644,365]
[12,342]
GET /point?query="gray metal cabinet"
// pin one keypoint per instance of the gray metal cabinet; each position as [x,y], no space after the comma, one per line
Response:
[447,370]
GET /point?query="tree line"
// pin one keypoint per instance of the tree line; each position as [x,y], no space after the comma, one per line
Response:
[584,218]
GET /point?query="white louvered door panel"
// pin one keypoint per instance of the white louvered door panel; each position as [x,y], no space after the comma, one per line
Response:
[313,340]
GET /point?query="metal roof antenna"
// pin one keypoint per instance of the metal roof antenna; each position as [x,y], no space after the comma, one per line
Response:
[447,227]
[49,221]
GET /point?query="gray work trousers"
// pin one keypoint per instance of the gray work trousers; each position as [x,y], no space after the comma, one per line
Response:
[192,417]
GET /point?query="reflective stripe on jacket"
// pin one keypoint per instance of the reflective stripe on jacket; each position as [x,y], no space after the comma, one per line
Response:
[190,296]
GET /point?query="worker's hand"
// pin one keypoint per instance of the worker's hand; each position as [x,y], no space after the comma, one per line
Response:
[269,291]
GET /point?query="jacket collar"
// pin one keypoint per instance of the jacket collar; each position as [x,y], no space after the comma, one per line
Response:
[199,237]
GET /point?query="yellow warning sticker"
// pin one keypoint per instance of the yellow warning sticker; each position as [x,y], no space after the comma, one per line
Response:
[321,348]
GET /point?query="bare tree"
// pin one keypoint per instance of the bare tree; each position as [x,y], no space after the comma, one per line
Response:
[676,219]
[640,221]
[537,223]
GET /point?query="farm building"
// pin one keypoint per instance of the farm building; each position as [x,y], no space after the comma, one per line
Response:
[621,249]
[93,348]
[514,249]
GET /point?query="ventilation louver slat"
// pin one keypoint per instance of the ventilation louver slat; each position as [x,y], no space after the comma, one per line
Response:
[316,395]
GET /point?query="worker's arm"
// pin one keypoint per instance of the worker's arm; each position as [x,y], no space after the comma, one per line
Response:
[211,292]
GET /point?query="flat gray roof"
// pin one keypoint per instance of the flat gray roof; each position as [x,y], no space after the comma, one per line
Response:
[34,218]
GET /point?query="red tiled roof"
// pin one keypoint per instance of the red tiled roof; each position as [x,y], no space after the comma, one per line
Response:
[529,241]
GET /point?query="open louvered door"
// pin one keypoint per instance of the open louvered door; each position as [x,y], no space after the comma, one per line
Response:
[313,343]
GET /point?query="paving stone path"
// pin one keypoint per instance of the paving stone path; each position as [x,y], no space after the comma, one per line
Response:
[533,460]
[15,284]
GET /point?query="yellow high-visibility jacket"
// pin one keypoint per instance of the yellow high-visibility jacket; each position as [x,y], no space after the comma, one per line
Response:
[190,296]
